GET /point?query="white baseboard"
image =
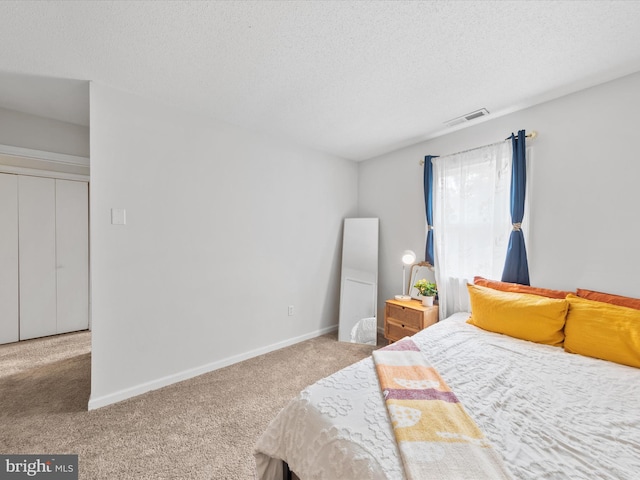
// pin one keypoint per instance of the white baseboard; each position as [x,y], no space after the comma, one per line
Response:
[104,400]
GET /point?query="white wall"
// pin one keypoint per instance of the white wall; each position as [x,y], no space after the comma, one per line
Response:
[19,129]
[584,190]
[224,230]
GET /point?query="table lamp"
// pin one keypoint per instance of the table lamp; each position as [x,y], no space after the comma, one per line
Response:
[408,257]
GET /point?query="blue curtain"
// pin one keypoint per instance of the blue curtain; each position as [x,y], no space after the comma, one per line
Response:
[516,267]
[428,203]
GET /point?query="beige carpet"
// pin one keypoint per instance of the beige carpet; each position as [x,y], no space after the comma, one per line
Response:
[203,428]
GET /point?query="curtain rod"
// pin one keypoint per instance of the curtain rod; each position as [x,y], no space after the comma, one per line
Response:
[531,135]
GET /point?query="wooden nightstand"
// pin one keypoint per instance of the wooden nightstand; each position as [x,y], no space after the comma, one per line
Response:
[405,318]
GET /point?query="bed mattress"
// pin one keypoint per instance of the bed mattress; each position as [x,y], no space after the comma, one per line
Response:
[548,413]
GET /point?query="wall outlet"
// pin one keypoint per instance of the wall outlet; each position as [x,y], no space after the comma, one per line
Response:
[290,310]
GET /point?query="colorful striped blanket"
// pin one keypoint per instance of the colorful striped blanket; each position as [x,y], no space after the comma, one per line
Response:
[436,437]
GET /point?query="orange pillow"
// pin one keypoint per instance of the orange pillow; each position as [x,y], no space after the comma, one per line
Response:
[517,288]
[609,298]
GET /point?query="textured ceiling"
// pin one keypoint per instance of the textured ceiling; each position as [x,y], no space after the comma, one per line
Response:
[355,79]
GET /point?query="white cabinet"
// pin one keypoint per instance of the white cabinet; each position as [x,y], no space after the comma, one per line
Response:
[8,258]
[51,266]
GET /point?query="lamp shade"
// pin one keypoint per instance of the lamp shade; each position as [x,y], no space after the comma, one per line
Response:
[408,257]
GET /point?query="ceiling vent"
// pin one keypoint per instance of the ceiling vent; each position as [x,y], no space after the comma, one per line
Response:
[467,117]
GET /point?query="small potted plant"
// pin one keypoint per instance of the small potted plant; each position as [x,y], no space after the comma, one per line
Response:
[427,290]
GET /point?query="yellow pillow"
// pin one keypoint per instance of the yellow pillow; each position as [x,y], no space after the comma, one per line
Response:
[603,330]
[520,315]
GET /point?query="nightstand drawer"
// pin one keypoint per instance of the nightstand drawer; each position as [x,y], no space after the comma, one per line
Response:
[408,317]
[395,331]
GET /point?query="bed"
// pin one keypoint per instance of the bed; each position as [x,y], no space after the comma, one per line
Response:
[548,413]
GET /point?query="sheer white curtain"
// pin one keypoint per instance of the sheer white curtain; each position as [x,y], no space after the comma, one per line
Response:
[471,220]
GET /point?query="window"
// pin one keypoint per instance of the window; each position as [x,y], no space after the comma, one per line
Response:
[471,217]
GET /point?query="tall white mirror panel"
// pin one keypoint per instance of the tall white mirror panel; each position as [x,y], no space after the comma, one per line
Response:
[359,281]
[9,258]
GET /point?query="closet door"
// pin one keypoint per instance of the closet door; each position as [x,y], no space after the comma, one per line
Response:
[72,252]
[37,256]
[8,258]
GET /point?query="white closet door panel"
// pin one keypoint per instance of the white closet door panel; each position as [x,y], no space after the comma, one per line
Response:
[9,258]
[72,251]
[37,256]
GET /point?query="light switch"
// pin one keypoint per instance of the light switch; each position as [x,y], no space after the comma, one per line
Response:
[118,216]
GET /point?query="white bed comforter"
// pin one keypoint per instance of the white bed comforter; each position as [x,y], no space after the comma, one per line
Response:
[551,414]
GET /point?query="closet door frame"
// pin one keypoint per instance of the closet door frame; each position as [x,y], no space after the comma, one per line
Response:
[18,161]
